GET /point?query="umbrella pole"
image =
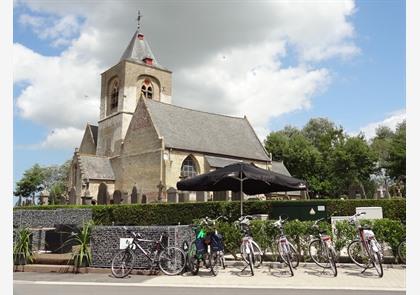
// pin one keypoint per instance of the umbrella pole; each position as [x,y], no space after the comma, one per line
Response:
[242,194]
[242,200]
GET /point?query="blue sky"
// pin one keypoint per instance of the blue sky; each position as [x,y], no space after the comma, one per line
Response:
[363,90]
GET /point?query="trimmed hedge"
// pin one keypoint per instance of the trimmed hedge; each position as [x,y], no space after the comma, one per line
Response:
[300,233]
[185,213]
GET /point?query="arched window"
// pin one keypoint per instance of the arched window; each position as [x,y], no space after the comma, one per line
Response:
[114,95]
[188,168]
[147,89]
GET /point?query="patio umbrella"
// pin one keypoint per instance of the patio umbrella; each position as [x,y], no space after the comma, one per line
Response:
[244,178]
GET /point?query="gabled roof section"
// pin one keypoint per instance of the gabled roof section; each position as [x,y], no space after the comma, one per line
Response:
[192,130]
[94,167]
[219,162]
[279,167]
[138,50]
[94,131]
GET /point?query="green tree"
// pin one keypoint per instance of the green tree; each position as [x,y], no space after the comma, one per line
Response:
[381,145]
[323,134]
[299,155]
[30,184]
[56,180]
[52,178]
[396,162]
[353,162]
[332,162]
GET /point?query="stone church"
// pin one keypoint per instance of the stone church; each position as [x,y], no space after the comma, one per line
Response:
[143,144]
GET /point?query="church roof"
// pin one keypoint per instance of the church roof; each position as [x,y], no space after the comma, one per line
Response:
[94,167]
[279,168]
[219,162]
[138,50]
[211,133]
[94,130]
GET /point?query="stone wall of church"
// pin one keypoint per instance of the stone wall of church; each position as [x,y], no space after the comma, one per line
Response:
[87,146]
[94,188]
[111,134]
[135,72]
[173,165]
[141,157]
[106,77]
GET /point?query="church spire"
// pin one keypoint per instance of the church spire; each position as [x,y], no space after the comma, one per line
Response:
[138,50]
[138,21]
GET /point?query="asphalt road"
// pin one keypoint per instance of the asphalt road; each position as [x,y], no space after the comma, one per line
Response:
[24,289]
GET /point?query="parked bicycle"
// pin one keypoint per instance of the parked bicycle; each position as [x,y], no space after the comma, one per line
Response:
[250,251]
[365,251]
[322,250]
[170,260]
[401,250]
[207,247]
[287,252]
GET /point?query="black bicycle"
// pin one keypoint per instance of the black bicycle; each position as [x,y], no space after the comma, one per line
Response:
[206,247]
[170,260]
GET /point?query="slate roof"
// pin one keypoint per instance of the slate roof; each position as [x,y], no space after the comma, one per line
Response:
[94,130]
[138,49]
[211,133]
[94,167]
[219,162]
[279,168]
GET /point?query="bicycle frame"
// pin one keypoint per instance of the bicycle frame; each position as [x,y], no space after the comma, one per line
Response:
[135,244]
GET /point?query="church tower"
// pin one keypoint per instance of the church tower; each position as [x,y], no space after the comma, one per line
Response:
[138,73]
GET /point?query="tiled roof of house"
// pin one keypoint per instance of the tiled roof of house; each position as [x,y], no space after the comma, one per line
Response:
[280,168]
[94,167]
[209,133]
[138,49]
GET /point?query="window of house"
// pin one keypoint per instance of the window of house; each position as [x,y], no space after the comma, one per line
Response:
[114,95]
[147,90]
[188,168]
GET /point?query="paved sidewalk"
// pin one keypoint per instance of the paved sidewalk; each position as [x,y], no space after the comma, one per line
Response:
[307,276]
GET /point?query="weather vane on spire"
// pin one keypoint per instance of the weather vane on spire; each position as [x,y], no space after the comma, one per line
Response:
[138,20]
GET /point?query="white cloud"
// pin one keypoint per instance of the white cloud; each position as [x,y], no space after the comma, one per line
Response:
[62,92]
[58,138]
[224,57]
[248,81]
[391,121]
[60,31]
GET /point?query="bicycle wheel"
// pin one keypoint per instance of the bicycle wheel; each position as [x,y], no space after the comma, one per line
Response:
[318,253]
[122,263]
[288,261]
[215,262]
[358,254]
[291,251]
[377,263]
[222,259]
[294,256]
[193,261]
[172,261]
[332,258]
[251,262]
[257,254]
[402,251]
